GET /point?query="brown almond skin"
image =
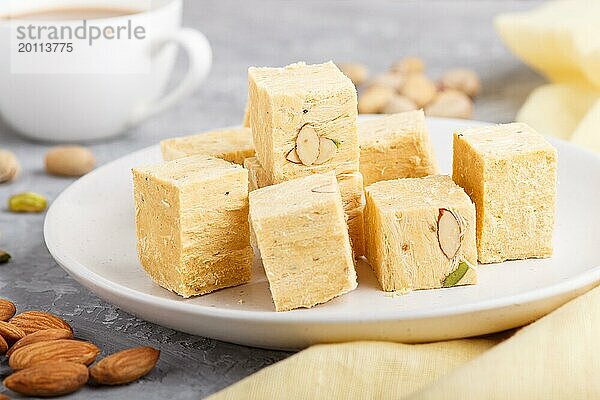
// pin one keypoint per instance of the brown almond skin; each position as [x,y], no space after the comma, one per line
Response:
[40,336]
[49,379]
[3,345]
[33,321]
[76,351]
[4,397]
[7,309]
[10,332]
[69,161]
[125,366]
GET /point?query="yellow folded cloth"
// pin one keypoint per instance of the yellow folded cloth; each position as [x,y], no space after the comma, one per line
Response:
[556,357]
[561,40]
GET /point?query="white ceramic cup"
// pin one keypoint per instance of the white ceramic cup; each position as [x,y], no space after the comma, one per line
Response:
[99,90]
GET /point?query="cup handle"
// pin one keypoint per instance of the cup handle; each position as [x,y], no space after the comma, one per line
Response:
[199,54]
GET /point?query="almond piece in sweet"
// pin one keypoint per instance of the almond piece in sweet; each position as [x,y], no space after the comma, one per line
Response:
[7,309]
[10,332]
[3,345]
[33,321]
[40,336]
[48,379]
[307,145]
[327,149]
[449,233]
[53,350]
[125,366]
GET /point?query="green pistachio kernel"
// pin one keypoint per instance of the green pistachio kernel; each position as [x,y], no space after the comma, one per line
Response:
[27,202]
[455,276]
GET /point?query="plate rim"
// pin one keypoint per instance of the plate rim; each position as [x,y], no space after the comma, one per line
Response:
[83,275]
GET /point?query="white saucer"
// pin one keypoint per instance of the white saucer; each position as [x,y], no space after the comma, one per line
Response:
[90,232]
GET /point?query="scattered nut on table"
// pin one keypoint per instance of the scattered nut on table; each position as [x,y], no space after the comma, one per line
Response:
[409,65]
[358,73]
[374,99]
[406,87]
[9,166]
[451,104]
[394,81]
[69,161]
[420,89]
[462,79]
[399,104]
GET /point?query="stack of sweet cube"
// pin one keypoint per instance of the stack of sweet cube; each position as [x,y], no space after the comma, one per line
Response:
[310,189]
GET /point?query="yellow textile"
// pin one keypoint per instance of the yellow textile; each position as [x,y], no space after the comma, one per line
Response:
[561,40]
[556,357]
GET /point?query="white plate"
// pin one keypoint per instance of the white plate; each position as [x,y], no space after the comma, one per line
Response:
[90,232]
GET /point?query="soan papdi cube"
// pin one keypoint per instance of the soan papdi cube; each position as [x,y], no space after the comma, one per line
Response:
[351,188]
[192,224]
[303,120]
[395,146]
[302,237]
[232,145]
[420,233]
[510,173]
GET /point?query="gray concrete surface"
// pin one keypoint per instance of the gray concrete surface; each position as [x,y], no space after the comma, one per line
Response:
[243,33]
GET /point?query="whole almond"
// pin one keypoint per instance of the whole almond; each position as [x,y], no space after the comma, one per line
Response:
[40,336]
[33,321]
[48,379]
[10,332]
[450,104]
[9,166]
[357,73]
[53,350]
[419,89]
[374,99]
[125,366]
[69,161]
[409,65]
[4,397]
[399,104]
[3,345]
[463,79]
[7,309]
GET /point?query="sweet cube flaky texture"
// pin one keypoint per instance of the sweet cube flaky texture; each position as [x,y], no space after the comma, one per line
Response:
[509,171]
[192,224]
[420,233]
[303,240]
[395,146]
[303,120]
[232,145]
[351,189]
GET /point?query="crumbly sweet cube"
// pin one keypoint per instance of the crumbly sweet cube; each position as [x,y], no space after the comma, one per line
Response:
[257,176]
[233,145]
[509,171]
[303,120]
[192,224]
[395,146]
[420,233]
[302,237]
[351,188]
